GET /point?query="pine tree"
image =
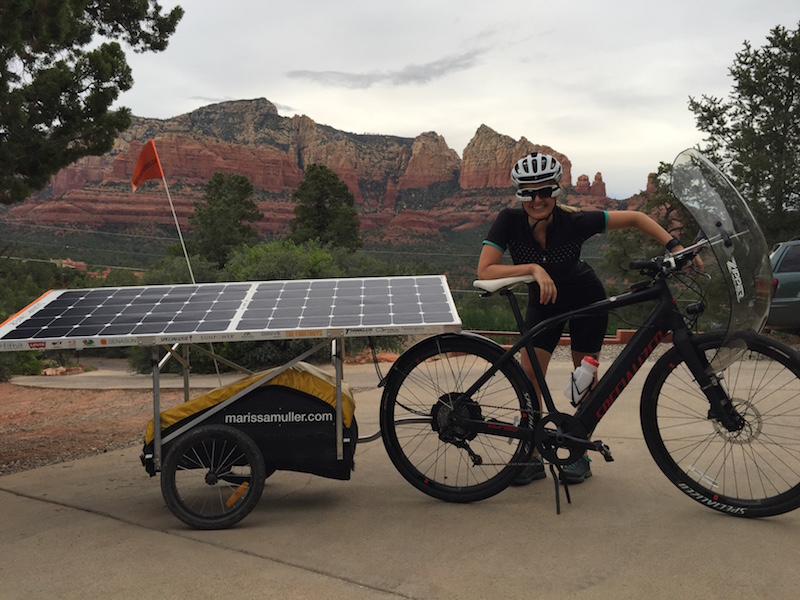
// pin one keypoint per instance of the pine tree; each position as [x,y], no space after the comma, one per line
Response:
[755,132]
[57,84]
[223,220]
[325,211]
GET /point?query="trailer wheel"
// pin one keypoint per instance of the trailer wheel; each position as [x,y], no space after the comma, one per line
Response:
[212,477]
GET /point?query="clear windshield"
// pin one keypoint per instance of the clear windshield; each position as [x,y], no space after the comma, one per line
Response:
[736,240]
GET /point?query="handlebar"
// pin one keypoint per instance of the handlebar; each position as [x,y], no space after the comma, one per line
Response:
[667,263]
[649,266]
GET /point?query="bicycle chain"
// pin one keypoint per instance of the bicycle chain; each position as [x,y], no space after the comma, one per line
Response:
[510,464]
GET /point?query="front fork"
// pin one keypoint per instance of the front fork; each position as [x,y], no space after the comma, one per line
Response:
[721,407]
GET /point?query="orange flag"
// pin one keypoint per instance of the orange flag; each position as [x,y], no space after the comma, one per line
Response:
[148,166]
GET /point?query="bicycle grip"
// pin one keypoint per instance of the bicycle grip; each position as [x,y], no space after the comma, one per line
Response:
[646,265]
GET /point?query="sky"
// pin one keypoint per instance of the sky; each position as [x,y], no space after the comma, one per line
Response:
[605,83]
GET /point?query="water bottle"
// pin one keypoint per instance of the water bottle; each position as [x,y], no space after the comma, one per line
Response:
[581,380]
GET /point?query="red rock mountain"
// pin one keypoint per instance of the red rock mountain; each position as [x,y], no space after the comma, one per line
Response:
[402,186]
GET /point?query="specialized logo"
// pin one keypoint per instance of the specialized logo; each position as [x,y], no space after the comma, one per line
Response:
[288,417]
[634,368]
[711,503]
[736,277]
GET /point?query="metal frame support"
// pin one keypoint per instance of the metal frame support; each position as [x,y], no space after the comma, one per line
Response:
[156,408]
[337,356]
[186,368]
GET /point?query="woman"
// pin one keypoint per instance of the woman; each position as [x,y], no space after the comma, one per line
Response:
[544,239]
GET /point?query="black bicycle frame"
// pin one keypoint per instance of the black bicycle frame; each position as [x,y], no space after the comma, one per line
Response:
[664,318]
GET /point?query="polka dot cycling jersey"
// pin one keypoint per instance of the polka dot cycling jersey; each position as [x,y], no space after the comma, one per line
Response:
[561,257]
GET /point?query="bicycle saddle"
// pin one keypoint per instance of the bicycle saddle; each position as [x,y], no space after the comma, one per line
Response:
[495,285]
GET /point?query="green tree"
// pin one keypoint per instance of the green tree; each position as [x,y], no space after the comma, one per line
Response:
[173,269]
[223,220]
[755,132]
[120,278]
[325,210]
[21,282]
[281,260]
[57,83]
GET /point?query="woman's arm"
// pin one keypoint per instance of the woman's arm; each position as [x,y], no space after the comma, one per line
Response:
[490,267]
[628,219]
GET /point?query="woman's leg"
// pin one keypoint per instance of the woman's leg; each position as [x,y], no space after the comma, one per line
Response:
[536,470]
[579,471]
[543,358]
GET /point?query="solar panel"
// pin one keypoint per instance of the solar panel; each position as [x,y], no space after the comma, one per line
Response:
[212,312]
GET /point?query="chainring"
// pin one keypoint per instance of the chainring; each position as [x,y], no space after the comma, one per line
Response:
[549,435]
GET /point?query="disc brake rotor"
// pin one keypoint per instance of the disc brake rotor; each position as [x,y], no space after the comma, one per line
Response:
[749,432]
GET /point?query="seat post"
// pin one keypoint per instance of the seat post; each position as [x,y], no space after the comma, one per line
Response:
[512,300]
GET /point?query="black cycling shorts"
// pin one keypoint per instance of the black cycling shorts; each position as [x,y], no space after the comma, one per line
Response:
[587,333]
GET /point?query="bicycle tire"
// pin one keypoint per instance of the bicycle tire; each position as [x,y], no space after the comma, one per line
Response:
[212,477]
[754,472]
[415,404]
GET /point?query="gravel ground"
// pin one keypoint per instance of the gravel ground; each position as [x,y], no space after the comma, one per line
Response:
[608,354]
[43,426]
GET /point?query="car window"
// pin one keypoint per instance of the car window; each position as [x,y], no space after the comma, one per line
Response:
[790,262]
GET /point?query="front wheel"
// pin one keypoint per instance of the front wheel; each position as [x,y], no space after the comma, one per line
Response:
[213,476]
[751,472]
[433,454]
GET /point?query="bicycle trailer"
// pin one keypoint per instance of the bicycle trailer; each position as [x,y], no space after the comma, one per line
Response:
[291,417]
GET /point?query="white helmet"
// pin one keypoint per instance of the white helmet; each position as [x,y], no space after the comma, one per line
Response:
[536,168]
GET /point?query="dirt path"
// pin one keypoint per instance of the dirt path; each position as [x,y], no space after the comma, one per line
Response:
[43,426]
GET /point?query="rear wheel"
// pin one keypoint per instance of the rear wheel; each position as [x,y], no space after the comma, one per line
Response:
[437,457]
[212,476]
[751,472]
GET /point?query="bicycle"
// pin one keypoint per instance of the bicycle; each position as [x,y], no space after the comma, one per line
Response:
[720,411]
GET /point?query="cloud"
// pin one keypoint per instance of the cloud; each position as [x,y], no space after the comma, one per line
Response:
[285,108]
[213,100]
[411,74]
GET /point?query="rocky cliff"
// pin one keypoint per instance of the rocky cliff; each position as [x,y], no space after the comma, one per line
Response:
[402,186]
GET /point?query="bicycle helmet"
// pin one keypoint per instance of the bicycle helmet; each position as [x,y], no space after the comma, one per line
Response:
[536,168]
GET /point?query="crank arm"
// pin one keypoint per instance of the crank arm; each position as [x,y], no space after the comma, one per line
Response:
[565,440]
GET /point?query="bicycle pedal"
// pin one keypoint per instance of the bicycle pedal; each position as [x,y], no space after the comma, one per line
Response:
[604,451]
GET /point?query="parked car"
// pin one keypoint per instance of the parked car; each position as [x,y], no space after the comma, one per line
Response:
[785,310]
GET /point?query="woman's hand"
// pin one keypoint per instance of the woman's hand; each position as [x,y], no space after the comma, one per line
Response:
[547,287]
[697,262]
[489,267]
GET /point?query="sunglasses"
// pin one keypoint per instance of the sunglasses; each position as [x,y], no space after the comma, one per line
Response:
[542,193]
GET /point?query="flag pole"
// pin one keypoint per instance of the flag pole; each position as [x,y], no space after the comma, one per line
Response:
[188,264]
[178,227]
[148,166]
